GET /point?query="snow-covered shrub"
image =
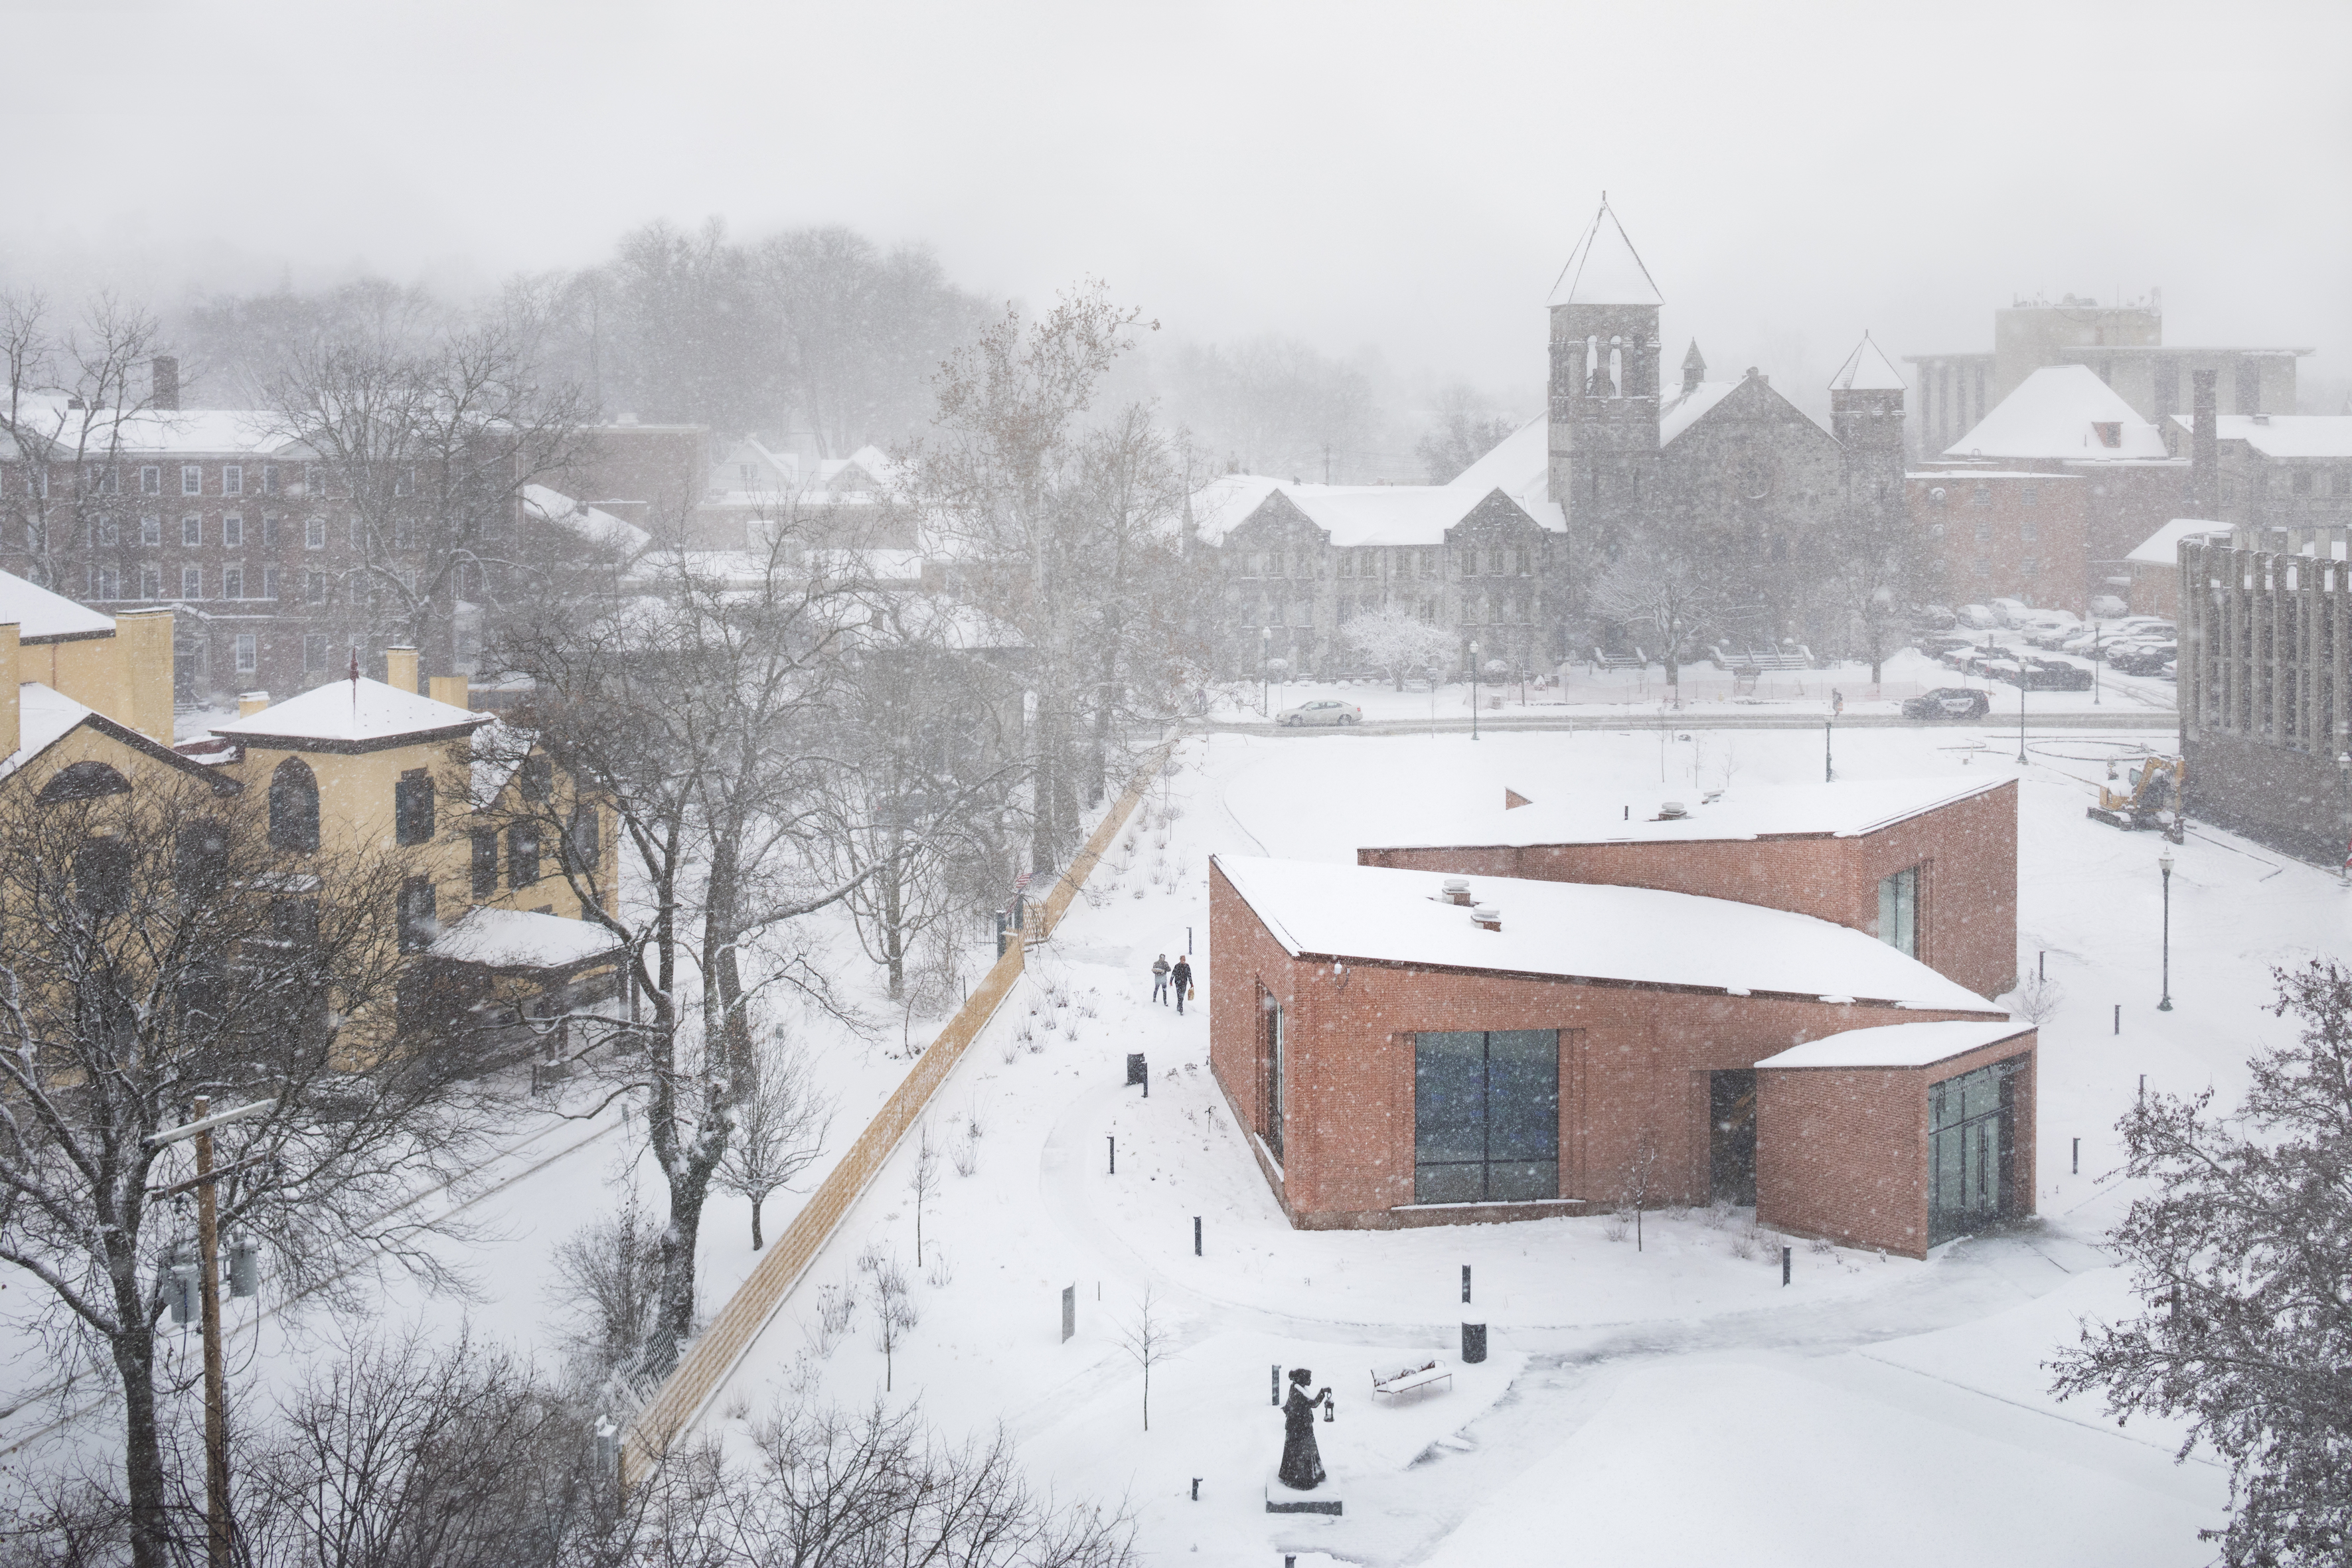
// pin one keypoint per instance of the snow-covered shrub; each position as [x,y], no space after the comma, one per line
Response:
[1620,1227]
[941,1274]
[1718,1214]
[964,1157]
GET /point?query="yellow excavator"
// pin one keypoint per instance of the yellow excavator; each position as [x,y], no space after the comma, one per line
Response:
[2152,801]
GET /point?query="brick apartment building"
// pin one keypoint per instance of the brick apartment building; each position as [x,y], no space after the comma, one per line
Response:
[1554,1048]
[1928,865]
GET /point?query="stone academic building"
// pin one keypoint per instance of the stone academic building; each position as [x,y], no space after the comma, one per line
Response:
[1428,1041]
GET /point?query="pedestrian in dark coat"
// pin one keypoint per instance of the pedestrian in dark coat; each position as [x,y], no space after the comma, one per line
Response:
[1180,977]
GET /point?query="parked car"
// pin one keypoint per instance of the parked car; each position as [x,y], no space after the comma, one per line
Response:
[2008,612]
[2143,657]
[1327,712]
[2108,605]
[1949,702]
[2057,674]
[1935,618]
[1978,616]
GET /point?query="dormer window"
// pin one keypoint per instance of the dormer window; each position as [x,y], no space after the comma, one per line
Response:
[2109,431]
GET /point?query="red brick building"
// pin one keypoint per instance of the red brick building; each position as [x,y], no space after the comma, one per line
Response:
[1403,1059]
[1928,865]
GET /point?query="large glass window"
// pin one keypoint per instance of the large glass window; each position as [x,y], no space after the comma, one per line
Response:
[1971,1137]
[411,807]
[294,806]
[1485,1116]
[1898,911]
[1273,1015]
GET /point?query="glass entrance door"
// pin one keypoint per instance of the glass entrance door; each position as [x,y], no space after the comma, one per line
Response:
[1486,1115]
[1970,1143]
[1731,1135]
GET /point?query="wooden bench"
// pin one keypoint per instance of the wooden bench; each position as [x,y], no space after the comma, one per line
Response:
[1412,1382]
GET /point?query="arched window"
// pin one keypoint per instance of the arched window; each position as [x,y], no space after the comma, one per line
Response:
[1616,372]
[83,781]
[1591,364]
[294,806]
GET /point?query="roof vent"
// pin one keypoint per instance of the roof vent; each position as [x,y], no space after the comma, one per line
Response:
[1457,890]
[1673,811]
[1486,917]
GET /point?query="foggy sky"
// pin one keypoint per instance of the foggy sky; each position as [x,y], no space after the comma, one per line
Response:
[1374,178]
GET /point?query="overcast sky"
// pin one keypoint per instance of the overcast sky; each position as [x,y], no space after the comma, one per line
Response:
[1399,179]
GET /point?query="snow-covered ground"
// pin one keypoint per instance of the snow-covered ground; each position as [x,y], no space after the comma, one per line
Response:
[1669,1404]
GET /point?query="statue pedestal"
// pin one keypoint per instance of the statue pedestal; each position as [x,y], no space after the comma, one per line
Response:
[1280,1499]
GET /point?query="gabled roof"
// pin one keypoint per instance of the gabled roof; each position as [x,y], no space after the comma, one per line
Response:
[2284,435]
[2051,415]
[193,432]
[1603,269]
[2162,548]
[354,715]
[1386,514]
[1580,930]
[45,716]
[43,617]
[593,523]
[1520,467]
[1866,370]
[1899,1045]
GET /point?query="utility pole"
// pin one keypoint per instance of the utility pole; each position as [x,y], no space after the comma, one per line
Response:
[199,1126]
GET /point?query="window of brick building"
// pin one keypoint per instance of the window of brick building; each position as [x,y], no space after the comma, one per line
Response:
[232,582]
[1982,496]
[1485,1116]
[192,530]
[1983,567]
[268,531]
[151,531]
[232,531]
[192,480]
[151,482]
[411,807]
[1898,911]
[2028,567]
[232,479]
[2029,495]
[2027,532]
[192,582]
[248,652]
[269,478]
[314,533]
[106,531]
[150,582]
[2303,481]
[105,583]
[314,587]
[269,582]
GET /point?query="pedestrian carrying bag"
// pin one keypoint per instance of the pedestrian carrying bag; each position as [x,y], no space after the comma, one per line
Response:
[1191,993]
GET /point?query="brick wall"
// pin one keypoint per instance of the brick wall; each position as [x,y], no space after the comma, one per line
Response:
[1633,1061]
[1842,1151]
[1967,897]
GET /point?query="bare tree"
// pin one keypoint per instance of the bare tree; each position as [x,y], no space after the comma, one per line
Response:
[781,1121]
[158,950]
[923,1181]
[1276,405]
[1660,581]
[693,707]
[426,456]
[608,1281]
[75,390]
[1147,1340]
[1398,644]
[1467,429]
[894,1313]
[2236,1253]
[1642,1181]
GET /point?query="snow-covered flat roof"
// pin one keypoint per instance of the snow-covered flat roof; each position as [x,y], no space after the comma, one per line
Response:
[2284,435]
[42,615]
[510,939]
[193,432]
[1899,1045]
[354,712]
[2162,548]
[1576,930]
[1774,811]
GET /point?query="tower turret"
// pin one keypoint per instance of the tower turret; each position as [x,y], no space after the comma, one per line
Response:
[1866,417]
[1694,369]
[1604,382]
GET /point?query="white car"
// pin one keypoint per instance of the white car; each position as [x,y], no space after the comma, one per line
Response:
[1327,712]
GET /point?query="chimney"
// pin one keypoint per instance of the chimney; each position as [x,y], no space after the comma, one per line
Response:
[1513,799]
[400,669]
[1457,890]
[249,703]
[11,735]
[2205,444]
[452,690]
[1486,917]
[166,388]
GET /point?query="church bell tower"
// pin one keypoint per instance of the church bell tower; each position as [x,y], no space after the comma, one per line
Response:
[1604,405]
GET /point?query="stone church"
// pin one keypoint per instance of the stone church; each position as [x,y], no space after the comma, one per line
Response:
[1729,475]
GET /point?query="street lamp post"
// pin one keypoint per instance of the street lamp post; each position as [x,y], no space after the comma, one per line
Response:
[1474,689]
[2021,710]
[2163,864]
[2094,663]
[1264,652]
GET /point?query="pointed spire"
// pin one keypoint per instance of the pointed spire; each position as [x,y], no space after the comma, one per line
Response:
[1694,369]
[1605,269]
[1866,370]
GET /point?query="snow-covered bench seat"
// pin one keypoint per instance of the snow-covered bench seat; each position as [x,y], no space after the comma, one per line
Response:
[1413,1382]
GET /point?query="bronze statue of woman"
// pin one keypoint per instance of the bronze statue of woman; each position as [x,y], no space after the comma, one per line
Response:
[1302,1462]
